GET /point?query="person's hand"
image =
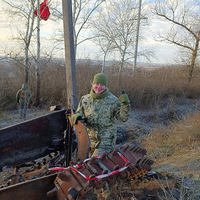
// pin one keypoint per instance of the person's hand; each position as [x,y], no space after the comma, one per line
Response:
[124,99]
[75,118]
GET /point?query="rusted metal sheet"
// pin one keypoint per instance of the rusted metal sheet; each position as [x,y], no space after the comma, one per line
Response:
[80,131]
[83,141]
[28,140]
[30,190]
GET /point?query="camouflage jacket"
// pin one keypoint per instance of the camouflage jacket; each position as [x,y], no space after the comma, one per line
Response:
[100,115]
[23,95]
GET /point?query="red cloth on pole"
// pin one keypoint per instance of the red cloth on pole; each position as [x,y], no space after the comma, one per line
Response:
[44,10]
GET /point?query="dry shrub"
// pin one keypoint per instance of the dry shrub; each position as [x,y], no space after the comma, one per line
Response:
[53,84]
[145,88]
[9,85]
[148,88]
[180,137]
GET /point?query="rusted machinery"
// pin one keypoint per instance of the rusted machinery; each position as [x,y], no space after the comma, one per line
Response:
[21,145]
[36,138]
[78,180]
[30,139]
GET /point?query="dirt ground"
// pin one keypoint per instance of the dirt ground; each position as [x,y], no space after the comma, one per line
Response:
[12,117]
[172,178]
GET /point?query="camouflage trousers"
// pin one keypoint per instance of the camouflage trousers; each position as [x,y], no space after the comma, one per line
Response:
[23,108]
[101,139]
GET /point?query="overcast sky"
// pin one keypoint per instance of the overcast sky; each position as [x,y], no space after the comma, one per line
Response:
[164,53]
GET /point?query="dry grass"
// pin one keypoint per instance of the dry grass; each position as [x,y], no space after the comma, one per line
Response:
[179,138]
[146,89]
[176,149]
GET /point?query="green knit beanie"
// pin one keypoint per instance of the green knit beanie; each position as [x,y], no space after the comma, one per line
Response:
[100,78]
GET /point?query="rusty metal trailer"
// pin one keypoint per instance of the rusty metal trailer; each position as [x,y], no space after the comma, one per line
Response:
[33,139]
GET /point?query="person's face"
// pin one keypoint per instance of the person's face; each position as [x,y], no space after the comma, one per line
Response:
[98,88]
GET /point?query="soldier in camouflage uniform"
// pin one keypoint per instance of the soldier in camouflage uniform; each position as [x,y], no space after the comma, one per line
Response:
[23,96]
[101,109]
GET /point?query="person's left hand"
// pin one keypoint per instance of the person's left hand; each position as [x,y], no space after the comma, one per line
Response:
[124,99]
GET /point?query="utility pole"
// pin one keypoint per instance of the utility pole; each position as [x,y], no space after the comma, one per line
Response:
[38,56]
[137,36]
[69,54]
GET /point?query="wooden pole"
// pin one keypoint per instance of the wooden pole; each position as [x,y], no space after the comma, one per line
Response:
[37,103]
[69,54]
[137,36]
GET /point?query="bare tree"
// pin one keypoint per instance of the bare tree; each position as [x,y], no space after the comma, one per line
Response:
[82,11]
[184,17]
[105,46]
[116,24]
[23,11]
